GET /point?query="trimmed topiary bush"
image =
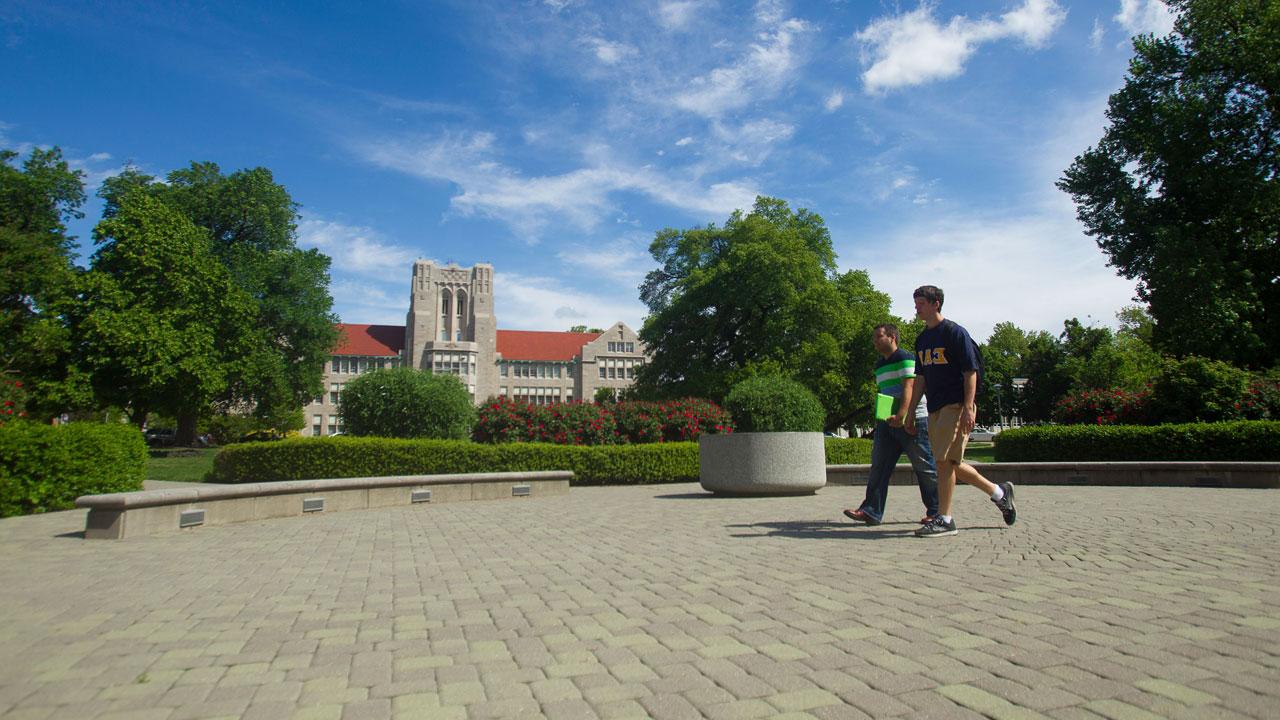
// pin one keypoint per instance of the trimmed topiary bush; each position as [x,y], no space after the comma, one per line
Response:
[46,467]
[770,403]
[407,403]
[1257,440]
[313,458]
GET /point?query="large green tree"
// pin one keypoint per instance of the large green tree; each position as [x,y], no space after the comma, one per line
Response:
[1183,190]
[160,323]
[760,295]
[37,277]
[251,225]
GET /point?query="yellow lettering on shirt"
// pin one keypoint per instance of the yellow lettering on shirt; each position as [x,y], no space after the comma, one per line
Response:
[933,356]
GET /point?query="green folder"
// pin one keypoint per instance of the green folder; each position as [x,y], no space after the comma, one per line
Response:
[884,406]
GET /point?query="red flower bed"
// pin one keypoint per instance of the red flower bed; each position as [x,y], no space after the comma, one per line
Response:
[504,420]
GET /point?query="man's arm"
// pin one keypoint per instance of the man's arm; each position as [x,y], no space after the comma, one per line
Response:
[904,407]
[969,413]
[911,395]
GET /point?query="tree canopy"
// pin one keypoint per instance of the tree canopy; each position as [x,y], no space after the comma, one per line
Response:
[1183,190]
[249,222]
[37,276]
[760,295]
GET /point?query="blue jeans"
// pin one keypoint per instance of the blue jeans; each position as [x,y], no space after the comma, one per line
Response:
[887,445]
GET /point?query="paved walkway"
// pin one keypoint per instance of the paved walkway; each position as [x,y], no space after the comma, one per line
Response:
[658,601]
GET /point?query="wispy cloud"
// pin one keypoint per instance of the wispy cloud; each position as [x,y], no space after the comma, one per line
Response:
[362,302]
[768,65]
[580,197]
[678,15]
[610,53]
[834,101]
[528,302]
[1140,17]
[1098,34]
[620,260]
[752,142]
[914,48]
[355,249]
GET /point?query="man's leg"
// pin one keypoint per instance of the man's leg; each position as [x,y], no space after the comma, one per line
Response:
[943,442]
[921,455]
[1001,495]
[885,452]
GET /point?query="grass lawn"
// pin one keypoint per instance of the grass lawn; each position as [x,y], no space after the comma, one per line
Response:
[181,468]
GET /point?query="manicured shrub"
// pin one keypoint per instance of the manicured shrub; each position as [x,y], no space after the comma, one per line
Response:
[770,403]
[46,467]
[1115,406]
[407,403]
[1257,440]
[1261,400]
[313,458]
[503,420]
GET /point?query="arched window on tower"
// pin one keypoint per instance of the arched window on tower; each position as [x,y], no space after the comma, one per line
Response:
[446,305]
[460,327]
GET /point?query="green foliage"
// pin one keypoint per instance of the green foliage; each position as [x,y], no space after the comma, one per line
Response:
[1183,190]
[605,395]
[44,468]
[160,322]
[847,451]
[1243,440]
[759,296]
[770,403]
[1198,389]
[37,276]
[407,403]
[313,458]
[505,420]
[250,223]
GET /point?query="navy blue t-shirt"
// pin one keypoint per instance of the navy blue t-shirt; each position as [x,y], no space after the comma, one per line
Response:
[943,354]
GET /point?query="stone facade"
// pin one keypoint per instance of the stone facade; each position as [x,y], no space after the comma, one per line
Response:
[451,328]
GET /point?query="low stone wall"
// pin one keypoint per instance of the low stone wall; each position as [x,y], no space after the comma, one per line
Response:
[149,512]
[1165,474]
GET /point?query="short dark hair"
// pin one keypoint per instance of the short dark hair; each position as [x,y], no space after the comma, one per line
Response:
[890,330]
[930,293]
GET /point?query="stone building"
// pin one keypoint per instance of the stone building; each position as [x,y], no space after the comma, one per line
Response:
[451,328]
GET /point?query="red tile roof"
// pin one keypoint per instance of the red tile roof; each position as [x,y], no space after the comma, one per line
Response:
[376,340]
[540,345]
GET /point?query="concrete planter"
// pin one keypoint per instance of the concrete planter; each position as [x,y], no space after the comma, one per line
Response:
[775,463]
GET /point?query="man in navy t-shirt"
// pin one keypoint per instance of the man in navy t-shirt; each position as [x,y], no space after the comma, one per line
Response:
[947,369]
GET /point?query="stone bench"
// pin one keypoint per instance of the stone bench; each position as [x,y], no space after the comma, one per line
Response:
[1164,474]
[149,512]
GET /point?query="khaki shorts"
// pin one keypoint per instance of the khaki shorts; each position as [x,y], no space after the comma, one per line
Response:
[946,436]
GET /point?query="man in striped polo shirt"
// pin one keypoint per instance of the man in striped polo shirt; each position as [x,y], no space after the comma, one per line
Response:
[894,373]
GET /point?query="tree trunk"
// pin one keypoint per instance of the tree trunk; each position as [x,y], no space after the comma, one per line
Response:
[186,431]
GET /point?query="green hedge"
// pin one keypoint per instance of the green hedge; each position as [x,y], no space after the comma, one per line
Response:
[309,458]
[1257,440]
[46,467]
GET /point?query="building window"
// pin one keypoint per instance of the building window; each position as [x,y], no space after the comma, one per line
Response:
[502,369]
[602,371]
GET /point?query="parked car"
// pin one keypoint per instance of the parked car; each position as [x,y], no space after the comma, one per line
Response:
[160,437]
[982,434]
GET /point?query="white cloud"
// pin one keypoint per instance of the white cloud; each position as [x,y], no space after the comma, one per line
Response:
[621,260]
[768,65]
[354,249]
[684,141]
[678,15]
[362,302]
[1139,17]
[1098,35]
[834,101]
[581,197]
[524,302]
[914,48]
[753,141]
[610,53]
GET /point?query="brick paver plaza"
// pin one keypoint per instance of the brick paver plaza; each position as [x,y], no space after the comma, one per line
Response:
[658,601]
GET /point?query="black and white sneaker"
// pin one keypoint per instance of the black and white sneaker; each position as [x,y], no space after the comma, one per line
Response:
[1006,504]
[937,527]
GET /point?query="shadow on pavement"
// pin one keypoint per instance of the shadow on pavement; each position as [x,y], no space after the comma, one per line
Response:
[77,534]
[827,530]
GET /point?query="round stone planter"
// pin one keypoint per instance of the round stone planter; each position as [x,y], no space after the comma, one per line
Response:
[772,463]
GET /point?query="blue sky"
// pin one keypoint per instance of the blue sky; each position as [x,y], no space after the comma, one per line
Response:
[552,138]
